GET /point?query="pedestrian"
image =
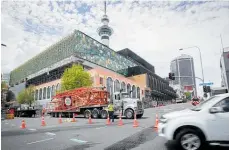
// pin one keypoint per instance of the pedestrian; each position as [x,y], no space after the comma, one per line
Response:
[111,110]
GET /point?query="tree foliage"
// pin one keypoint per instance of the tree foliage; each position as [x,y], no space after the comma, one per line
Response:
[10,96]
[75,77]
[188,95]
[26,96]
[3,85]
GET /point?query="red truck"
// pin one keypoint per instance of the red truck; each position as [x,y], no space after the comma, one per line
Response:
[94,101]
[86,101]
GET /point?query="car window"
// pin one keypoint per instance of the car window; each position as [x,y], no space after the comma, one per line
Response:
[224,104]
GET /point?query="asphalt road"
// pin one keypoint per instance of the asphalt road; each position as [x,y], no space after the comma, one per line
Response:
[81,135]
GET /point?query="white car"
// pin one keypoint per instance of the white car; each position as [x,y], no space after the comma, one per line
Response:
[193,129]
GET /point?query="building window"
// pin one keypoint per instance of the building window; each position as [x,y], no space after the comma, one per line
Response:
[40,94]
[101,80]
[92,79]
[138,92]
[44,93]
[117,86]
[53,91]
[123,86]
[129,89]
[58,87]
[36,95]
[110,85]
[133,91]
[48,92]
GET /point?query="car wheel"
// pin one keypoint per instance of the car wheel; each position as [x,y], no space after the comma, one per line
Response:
[189,139]
[87,113]
[103,114]
[129,113]
[95,113]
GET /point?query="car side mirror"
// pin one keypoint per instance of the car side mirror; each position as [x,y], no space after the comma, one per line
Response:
[214,110]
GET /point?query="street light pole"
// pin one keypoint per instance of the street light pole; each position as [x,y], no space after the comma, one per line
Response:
[200,59]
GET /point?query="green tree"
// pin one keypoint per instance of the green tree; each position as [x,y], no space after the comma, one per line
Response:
[21,97]
[26,96]
[75,77]
[3,85]
[188,95]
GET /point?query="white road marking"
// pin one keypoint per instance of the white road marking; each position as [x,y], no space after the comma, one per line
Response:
[78,141]
[49,133]
[33,129]
[40,141]
[6,123]
[101,127]
[52,126]
[13,125]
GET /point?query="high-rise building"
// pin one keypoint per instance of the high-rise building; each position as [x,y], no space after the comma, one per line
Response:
[183,68]
[224,66]
[5,77]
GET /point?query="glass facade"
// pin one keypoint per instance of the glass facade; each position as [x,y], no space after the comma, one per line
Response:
[99,54]
[78,44]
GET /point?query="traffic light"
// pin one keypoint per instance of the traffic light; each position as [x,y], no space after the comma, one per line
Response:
[171,76]
[205,95]
[206,89]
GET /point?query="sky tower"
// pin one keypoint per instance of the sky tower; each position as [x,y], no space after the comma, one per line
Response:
[105,31]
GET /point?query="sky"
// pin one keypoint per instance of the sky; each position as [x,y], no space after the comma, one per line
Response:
[155,30]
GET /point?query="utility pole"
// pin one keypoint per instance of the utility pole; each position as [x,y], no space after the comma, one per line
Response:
[221,43]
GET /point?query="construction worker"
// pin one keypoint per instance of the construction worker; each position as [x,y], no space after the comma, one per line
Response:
[111,110]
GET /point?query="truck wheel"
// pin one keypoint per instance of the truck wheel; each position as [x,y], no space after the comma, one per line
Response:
[129,113]
[95,113]
[103,114]
[139,116]
[87,113]
[190,139]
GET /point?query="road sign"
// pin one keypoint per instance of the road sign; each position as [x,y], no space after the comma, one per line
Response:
[68,101]
[206,84]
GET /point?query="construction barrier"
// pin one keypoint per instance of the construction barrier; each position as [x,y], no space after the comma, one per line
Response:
[9,116]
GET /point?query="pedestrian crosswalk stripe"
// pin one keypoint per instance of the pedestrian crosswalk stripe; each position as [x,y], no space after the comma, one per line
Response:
[49,133]
[78,141]
[32,129]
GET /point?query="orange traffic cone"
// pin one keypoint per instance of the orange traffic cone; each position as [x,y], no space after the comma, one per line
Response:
[120,123]
[73,118]
[23,126]
[135,121]
[60,119]
[108,120]
[43,121]
[156,122]
[89,120]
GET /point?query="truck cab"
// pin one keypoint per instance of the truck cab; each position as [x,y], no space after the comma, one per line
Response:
[126,105]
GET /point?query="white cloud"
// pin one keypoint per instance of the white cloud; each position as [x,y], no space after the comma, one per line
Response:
[153,30]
